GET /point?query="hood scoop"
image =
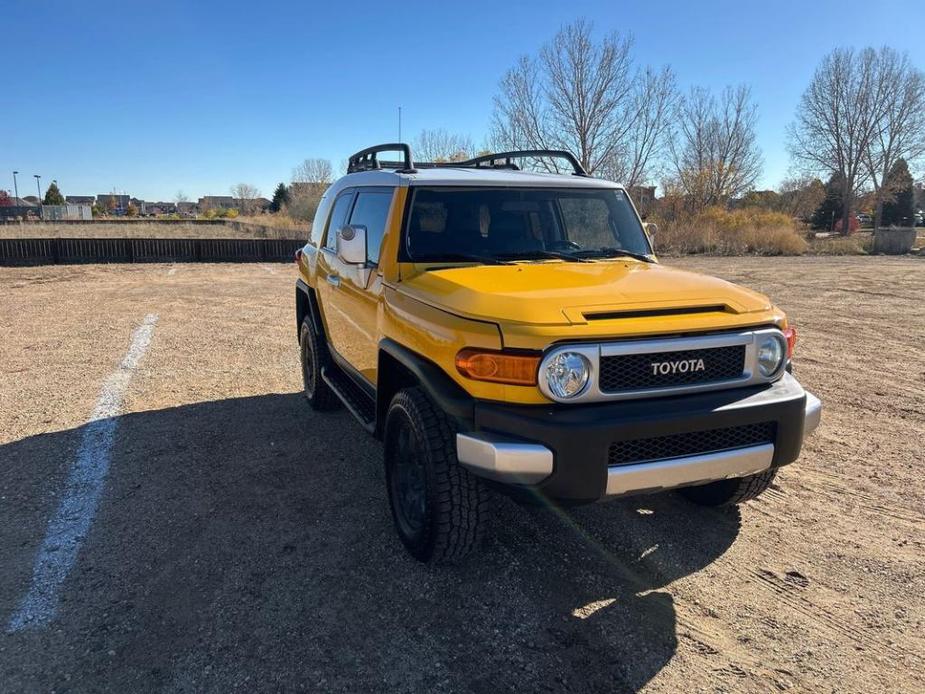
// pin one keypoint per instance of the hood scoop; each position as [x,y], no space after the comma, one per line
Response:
[655,312]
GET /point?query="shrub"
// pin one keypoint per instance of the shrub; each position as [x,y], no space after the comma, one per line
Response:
[840,245]
[744,231]
[228,213]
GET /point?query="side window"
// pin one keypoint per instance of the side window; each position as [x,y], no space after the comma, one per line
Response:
[338,218]
[321,214]
[372,211]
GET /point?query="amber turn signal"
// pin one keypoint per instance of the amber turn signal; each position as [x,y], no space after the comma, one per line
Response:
[791,335]
[498,367]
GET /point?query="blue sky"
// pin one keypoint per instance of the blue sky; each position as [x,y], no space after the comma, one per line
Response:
[151,98]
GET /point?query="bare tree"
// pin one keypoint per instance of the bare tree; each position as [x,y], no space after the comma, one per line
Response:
[837,120]
[246,195]
[309,181]
[639,156]
[180,197]
[586,97]
[901,134]
[441,146]
[801,195]
[714,151]
[318,171]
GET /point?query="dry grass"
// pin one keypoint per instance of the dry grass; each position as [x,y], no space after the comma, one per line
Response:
[842,245]
[279,221]
[717,231]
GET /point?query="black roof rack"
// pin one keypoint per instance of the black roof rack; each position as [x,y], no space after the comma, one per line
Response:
[507,157]
[366,160]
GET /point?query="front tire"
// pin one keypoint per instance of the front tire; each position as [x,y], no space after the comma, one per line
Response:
[439,508]
[729,492]
[313,356]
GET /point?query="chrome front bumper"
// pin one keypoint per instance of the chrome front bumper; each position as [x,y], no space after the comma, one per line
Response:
[517,462]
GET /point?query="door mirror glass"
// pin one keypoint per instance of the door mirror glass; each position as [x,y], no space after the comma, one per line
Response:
[351,244]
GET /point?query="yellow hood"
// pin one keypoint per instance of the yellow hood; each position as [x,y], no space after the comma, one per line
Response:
[585,294]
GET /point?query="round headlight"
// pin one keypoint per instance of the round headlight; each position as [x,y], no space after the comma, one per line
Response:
[770,355]
[567,374]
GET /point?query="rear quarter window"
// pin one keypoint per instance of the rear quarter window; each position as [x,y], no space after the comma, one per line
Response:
[372,211]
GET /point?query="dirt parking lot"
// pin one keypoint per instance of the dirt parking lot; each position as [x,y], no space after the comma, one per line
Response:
[240,541]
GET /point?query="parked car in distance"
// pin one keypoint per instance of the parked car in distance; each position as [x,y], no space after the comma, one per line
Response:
[864,219]
[504,330]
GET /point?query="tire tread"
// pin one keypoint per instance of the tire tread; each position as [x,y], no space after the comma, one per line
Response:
[323,399]
[732,491]
[460,501]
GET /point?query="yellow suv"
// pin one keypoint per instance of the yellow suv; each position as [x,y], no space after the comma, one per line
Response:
[500,329]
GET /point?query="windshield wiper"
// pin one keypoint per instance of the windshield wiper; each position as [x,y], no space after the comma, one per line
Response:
[465,257]
[560,255]
[615,253]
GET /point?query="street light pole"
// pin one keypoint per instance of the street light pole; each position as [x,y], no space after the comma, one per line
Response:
[38,186]
[15,187]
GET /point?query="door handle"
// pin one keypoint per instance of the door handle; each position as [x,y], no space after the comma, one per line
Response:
[333,280]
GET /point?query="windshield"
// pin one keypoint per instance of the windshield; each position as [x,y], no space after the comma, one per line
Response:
[494,225]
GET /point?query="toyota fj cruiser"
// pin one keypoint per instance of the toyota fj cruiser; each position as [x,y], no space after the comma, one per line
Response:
[499,328]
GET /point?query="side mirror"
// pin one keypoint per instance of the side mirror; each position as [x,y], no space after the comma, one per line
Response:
[651,229]
[351,244]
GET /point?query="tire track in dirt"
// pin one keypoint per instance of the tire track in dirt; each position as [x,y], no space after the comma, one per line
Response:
[720,656]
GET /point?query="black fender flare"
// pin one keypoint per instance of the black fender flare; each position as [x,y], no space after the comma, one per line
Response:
[448,395]
[307,305]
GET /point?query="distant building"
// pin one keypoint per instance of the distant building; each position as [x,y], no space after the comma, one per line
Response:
[139,205]
[186,208]
[161,208]
[216,202]
[113,201]
[80,200]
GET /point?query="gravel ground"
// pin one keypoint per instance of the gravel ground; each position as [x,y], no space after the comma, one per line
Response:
[244,542]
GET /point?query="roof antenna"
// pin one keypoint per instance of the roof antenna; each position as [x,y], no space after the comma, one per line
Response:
[399,123]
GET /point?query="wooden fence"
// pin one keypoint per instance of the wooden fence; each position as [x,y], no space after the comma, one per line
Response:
[70,251]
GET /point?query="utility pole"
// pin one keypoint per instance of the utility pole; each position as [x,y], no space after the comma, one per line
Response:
[38,186]
[15,187]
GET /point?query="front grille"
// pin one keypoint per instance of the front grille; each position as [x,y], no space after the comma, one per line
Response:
[690,443]
[628,372]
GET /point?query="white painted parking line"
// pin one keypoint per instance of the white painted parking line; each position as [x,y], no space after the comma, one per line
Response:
[86,479]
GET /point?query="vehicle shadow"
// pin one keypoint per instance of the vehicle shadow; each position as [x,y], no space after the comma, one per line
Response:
[248,542]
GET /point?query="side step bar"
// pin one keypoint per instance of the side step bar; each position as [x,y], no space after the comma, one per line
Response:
[354,398]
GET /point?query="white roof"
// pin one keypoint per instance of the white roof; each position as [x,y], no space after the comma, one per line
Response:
[470,176]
